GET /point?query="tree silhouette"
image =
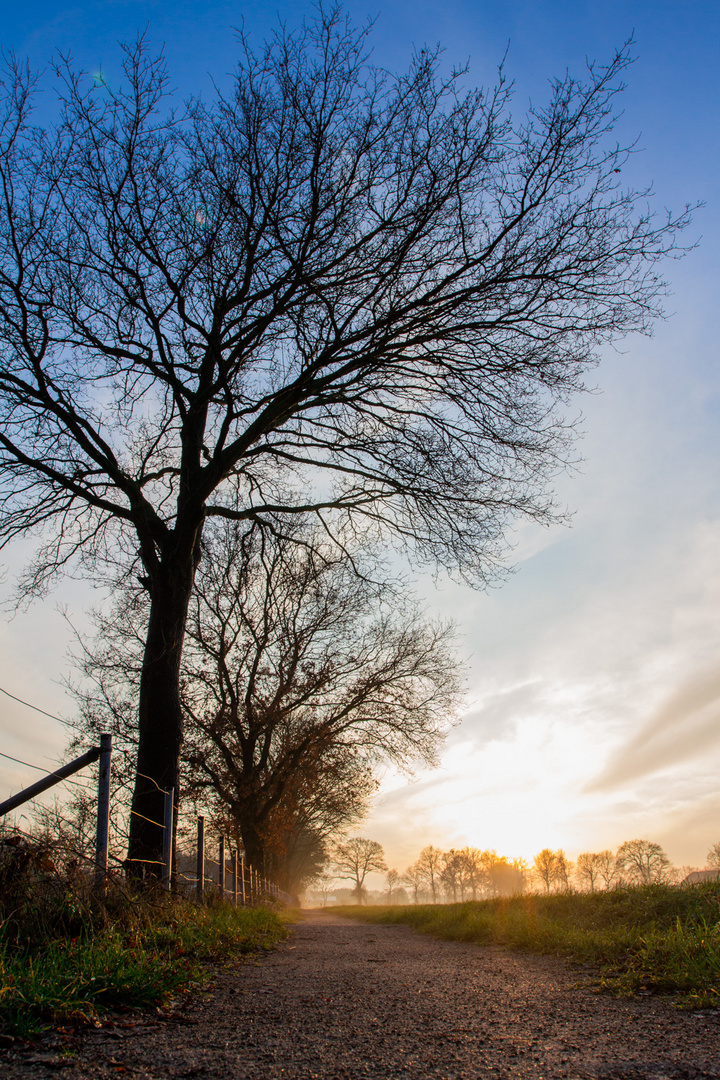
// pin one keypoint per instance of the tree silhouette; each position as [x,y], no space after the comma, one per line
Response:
[333,290]
[356,858]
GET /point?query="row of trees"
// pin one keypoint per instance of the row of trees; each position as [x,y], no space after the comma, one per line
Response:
[636,862]
[301,670]
[334,292]
[469,873]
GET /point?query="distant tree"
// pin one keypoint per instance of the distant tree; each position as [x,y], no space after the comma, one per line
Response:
[607,867]
[563,870]
[503,877]
[643,861]
[323,883]
[713,856]
[356,858]
[544,868]
[552,868]
[430,864]
[359,294]
[472,870]
[414,876]
[587,869]
[392,880]
[452,875]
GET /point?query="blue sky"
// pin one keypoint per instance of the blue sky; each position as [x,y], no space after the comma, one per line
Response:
[585,724]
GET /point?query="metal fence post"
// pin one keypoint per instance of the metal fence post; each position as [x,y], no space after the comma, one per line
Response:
[243,895]
[200,859]
[102,835]
[168,838]
[221,868]
[234,868]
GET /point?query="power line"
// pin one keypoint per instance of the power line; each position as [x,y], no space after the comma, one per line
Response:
[21,762]
[35,707]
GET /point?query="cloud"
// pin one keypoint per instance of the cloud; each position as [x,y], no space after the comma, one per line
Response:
[685,725]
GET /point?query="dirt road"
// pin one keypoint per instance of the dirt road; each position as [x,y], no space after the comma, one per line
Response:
[343,1000]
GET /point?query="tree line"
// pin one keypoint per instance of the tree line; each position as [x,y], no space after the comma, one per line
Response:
[470,873]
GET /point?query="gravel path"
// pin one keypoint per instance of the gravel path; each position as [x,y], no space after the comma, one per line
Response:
[343,1000]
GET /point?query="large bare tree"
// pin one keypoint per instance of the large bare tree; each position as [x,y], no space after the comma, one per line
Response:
[332,289]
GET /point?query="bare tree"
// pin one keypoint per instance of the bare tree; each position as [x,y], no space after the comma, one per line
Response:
[414,876]
[563,870]
[300,672]
[644,861]
[453,875]
[333,290]
[392,880]
[356,858]
[587,869]
[713,856]
[473,871]
[324,882]
[430,863]
[607,867]
[544,865]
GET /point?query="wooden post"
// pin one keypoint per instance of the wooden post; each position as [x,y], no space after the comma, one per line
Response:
[234,868]
[221,868]
[200,859]
[168,839]
[102,835]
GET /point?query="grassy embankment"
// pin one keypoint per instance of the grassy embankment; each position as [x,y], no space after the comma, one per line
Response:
[659,939]
[65,958]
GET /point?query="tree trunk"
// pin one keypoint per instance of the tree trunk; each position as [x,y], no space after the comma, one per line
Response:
[253,843]
[160,727]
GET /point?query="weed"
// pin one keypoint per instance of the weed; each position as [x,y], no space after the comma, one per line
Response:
[66,957]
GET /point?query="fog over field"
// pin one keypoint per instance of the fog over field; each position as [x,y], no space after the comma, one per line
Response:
[593,710]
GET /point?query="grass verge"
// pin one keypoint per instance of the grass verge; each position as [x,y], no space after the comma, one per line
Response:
[657,939]
[125,963]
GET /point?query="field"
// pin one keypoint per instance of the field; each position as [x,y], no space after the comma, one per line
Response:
[654,939]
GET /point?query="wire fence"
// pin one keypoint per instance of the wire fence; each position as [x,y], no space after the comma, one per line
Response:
[196,874]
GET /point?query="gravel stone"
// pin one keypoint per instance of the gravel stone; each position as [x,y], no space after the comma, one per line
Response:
[352,1001]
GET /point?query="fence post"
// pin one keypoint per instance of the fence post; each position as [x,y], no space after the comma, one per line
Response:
[102,835]
[233,864]
[200,859]
[221,868]
[168,838]
[243,895]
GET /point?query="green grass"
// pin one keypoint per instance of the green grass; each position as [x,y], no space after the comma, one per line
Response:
[660,938]
[128,963]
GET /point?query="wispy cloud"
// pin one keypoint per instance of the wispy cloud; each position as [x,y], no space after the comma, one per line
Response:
[685,725]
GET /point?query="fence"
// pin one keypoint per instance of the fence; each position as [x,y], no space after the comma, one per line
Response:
[246,886]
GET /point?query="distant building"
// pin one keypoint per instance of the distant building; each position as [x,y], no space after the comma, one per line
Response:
[697,876]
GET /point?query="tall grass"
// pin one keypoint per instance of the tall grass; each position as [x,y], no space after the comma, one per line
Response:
[658,938]
[65,957]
